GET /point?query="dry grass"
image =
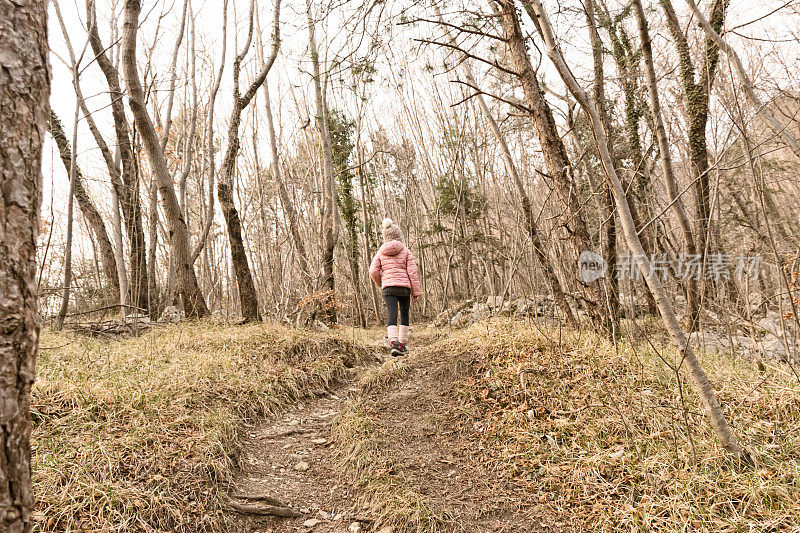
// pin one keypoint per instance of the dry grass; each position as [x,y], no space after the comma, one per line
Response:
[610,439]
[392,500]
[139,435]
[389,372]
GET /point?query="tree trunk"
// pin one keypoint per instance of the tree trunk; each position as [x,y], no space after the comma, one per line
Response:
[24,109]
[659,130]
[749,87]
[555,154]
[65,290]
[152,277]
[209,145]
[248,297]
[696,95]
[123,179]
[527,209]
[119,256]
[610,223]
[283,194]
[329,229]
[90,213]
[366,219]
[701,383]
[193,301]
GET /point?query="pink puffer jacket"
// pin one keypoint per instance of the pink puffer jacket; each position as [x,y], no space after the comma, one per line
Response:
[394,266]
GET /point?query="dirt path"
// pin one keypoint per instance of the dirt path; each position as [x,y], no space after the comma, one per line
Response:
[436,481]
[291,459]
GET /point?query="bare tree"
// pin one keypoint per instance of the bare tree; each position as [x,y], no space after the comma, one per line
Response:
[330,231]
[193,301]
[696,95]
[210,170]
[122,170]
[749,87]
[283,194]
[698,376]
[74,66]
[658,127]
[555,155]
[248,297]
[527,209]
[67,284]
[90,212]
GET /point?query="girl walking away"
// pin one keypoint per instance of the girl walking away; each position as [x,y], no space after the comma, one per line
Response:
[395,272]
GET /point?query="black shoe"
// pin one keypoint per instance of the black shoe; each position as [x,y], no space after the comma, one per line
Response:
[397,349]
[404,348]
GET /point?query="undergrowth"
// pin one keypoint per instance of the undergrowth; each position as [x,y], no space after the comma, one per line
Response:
[139,435]
[613,439]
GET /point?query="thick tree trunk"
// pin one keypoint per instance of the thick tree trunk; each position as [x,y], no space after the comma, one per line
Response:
[193,301]
[90,212]
[24,110]
[701,383]
[555,156]
[248,298]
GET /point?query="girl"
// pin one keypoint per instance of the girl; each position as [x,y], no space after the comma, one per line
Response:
[395,272]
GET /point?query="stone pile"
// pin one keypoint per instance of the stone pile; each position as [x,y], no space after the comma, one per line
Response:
[764,339]
[472,310]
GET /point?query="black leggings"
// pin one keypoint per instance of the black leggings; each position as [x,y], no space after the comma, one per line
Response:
[392,303]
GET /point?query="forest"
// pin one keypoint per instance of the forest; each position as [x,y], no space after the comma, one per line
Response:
[597,202]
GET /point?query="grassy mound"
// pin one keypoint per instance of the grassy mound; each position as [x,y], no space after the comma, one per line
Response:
[138,435]
[615,440]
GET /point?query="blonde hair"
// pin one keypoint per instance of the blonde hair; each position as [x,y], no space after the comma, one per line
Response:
[391,231]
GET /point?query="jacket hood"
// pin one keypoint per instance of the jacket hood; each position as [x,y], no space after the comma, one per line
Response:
[392,248]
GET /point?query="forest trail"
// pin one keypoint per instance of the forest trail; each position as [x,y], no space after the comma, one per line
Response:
[385,450]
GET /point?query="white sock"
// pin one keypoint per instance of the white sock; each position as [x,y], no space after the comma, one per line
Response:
[404,330]
[391,332]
